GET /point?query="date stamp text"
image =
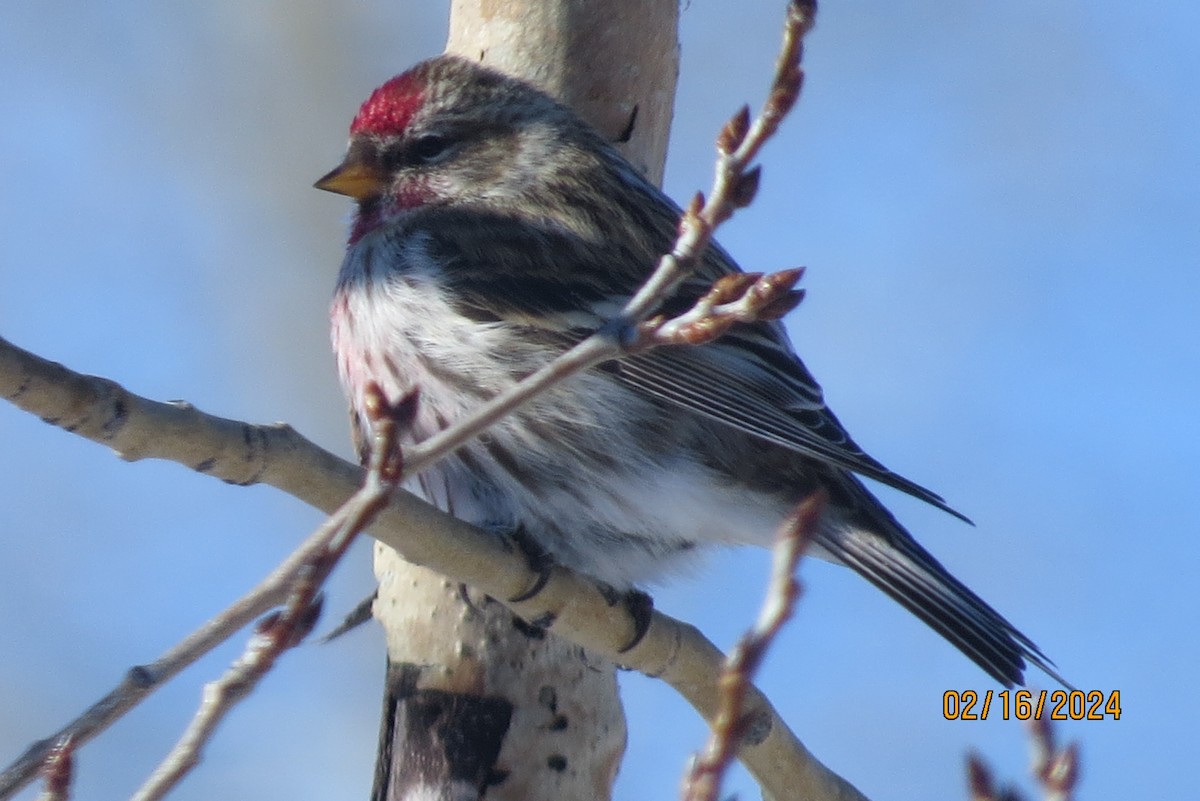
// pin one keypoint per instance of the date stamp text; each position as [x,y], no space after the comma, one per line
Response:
[1032,705]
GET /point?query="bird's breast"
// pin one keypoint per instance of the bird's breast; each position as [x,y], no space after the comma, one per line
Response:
[393,324]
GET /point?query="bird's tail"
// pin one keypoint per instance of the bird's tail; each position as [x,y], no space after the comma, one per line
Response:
[863,535]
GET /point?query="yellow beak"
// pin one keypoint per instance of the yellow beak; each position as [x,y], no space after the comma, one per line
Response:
[354,179]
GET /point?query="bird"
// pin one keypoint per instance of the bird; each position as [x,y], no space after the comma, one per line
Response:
[495,229]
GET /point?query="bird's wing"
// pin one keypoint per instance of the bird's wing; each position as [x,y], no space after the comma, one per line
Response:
[546,278]
[750,379]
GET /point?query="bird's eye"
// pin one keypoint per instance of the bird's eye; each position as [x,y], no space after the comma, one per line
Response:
[430,149]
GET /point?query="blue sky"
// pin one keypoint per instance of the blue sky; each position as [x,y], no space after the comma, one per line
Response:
[999,210]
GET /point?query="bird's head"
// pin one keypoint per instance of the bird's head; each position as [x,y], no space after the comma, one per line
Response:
[449,131]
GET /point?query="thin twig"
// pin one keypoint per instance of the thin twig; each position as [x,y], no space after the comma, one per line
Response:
[57,771]
[1056,770]
[287,628]
[735,298]
[732,726]
[142,680]
[733,183]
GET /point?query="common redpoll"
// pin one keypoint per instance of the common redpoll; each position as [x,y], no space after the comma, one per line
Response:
[495,229]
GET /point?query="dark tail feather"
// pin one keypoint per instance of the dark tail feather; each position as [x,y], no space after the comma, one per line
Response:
[893,561]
